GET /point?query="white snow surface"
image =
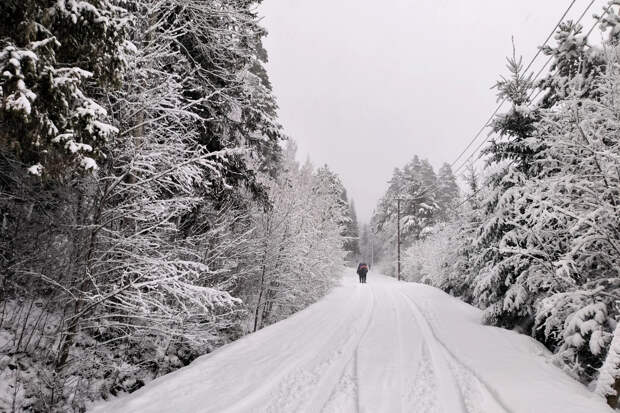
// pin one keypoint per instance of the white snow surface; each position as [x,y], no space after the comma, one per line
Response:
[384,346]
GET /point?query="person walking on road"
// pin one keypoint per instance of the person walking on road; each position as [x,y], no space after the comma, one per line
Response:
[362,270]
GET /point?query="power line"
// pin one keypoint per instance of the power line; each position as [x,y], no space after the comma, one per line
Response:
[528,67]
[477,135]
[469,198]
[499,106]
[529,98]
[503,101]
[600,18]
[553,31]
[551,57]
[605,13]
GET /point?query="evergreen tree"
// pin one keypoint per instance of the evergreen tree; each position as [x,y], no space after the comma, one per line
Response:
[365,243]
[537,246]
[54,58]
[350,230]
[352,234]
[448,190]
[572,208]
[419,209]
[573,60]
[514,154]
[545,258]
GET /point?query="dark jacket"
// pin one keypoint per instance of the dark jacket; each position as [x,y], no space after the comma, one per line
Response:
[362,269]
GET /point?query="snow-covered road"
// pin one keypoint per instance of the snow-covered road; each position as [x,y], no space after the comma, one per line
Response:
[383,346]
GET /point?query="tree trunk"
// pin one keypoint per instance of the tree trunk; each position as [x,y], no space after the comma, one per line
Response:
[260,292]
[612,400]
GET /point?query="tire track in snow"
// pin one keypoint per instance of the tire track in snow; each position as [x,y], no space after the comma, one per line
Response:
[356,379]
[356,356]
[484,386]
[333,374]
[474,395]
[383,363]
[401,351]
[278,368]
[312,383]
[279,390]
[449,392]
[422,398]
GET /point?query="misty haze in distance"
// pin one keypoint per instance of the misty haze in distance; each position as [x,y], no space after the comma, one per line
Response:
[363,88]
[162,248]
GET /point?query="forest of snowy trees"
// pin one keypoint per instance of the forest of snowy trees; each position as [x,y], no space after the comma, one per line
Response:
[421,208]
[536,242]
[150,208]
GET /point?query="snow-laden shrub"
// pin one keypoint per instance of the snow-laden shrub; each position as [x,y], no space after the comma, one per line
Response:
[578,328]
[608,384]
[548,246]
[431,259]
[298,248]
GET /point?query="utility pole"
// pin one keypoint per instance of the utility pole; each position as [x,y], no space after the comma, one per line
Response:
[372,249]
[398,232]
[398,236]
[372,241]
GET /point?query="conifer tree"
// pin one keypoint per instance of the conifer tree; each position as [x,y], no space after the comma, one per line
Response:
[419,209]
[447,191]
[352,233]
[513,153]
[54,57]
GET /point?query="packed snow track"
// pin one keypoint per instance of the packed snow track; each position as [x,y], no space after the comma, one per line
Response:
[383,346]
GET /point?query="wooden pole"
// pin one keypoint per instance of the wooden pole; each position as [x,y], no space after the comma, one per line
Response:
[398,236]
[372,249]
[372,243]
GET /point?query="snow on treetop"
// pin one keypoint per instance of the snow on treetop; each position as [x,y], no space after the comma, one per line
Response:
[36,169]
[89,164]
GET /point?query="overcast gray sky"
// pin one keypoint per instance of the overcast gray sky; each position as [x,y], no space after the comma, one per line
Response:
[364,85]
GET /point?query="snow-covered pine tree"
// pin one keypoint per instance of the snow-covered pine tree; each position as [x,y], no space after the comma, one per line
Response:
[350,229]
[511,151]
[549,248]
[543,249]
[447,191]
[232,98]
[54,58]
[447,257]
[352,234]
[413,184]
[578,200]
[608,383]
[573,59]
[58,60]
[139,281]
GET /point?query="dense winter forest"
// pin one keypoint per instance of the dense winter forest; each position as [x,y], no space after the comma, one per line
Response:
[535,241]
[151,210]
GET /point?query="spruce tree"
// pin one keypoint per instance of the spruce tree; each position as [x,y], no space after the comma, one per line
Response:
[56,58]
[512,153]
[447,191]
